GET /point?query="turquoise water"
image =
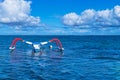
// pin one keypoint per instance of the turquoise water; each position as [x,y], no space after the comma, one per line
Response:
[85,58]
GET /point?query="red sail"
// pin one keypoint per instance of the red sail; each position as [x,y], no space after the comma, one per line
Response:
[15,41]
[57,41]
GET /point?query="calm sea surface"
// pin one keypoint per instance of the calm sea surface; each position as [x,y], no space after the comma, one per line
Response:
[85,58]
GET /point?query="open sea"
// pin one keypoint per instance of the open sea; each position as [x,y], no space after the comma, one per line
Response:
[85,58]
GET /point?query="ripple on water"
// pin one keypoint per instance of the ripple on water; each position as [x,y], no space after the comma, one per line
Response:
[85,58]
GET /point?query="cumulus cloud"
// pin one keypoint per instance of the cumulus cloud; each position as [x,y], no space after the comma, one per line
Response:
[17,13]
[92,18]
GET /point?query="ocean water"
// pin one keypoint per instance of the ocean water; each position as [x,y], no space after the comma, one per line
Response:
[85,58]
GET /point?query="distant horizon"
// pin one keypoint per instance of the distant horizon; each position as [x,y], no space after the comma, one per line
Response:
[62,35]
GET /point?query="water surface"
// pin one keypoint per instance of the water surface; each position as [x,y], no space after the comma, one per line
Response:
[85,58]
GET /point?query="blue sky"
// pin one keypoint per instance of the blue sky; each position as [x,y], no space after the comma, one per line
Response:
[59,17]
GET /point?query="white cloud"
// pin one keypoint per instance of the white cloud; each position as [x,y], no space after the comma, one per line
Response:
[71,19]
[116,11]
[17,13]
[92,18]
[82,30]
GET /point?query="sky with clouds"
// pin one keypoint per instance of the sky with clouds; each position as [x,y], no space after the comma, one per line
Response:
[59,17]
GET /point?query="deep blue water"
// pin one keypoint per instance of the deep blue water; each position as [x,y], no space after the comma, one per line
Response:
[85,58]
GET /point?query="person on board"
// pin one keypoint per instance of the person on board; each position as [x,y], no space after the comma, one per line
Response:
[36,48]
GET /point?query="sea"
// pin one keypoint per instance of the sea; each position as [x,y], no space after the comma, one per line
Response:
[92,57]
